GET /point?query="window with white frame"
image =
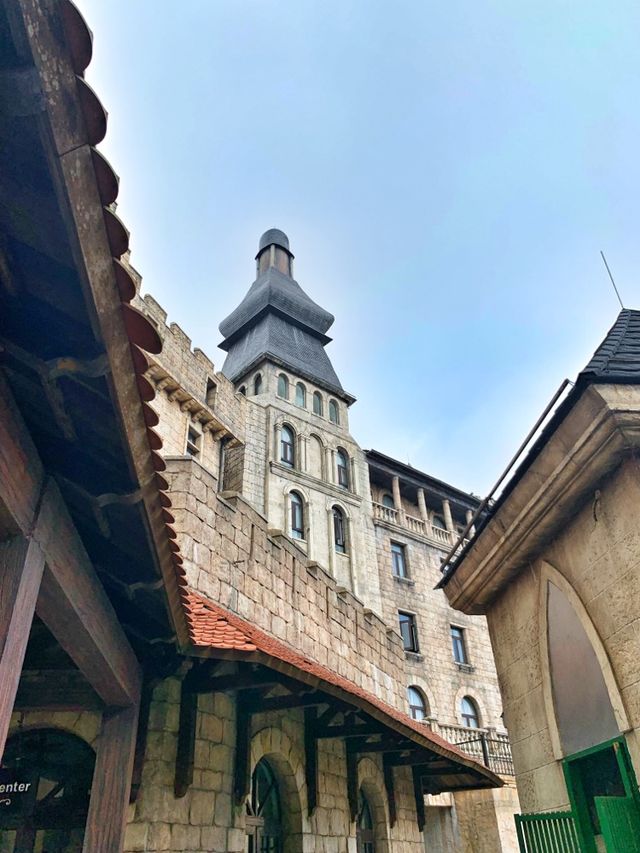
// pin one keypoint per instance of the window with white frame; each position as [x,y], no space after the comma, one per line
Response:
[296,505]
[287,446]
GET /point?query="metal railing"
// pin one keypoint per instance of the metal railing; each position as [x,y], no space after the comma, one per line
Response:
[552,832]
[489,748]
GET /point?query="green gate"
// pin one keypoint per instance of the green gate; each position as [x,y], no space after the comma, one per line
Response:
[552,832]
[620,823]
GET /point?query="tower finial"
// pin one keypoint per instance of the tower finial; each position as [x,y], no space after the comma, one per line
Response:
[274,251]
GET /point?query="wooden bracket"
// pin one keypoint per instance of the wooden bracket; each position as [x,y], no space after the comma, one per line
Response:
[352,783]
[419,795]
[311,758]
[186,739]
[389,786]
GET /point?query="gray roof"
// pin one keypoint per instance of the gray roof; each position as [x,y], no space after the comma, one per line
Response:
[274,236]
[617,359]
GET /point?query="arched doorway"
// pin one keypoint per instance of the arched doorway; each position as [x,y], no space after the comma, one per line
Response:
[45,784]
[365,831]
[264,811]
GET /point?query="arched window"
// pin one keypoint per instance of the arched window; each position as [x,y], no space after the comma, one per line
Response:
[243,390]
[257,385]
[342,461]
[387,500]
[334,415]
[417,703]
[438,521]
[317,403]
[50,814]
[469,713]
[287,446]
[339,531]
[283,386]
[301,395]
[297,516]
[264,814]
[365,832]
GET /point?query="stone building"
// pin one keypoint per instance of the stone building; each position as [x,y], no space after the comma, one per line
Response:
[556,568]
[186,664]
[381,529]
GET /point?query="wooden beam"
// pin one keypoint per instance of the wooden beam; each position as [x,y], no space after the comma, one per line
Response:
[389,786]
[111,781]
[74,606]
[243,680]
[186,740]
[311,759]
[21,568]
[352,783]
[140,751]
[386,745]
[350,730]
[242,768]
[283,703]
[56,690]
[418,792]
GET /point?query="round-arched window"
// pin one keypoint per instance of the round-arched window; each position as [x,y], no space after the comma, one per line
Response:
[387,500]
[469,713]
[334,415]
[50,772]
[417,703]
[438,521]
[257,385]
[264,814]
[365,832]
[287,446]
[317,403]
[283,386]
[339,531]
[301,395]
[342,461]
[297,516]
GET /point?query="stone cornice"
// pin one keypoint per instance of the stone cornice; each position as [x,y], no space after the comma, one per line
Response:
[601,428]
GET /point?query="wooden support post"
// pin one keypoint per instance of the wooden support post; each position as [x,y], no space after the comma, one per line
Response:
[389,786]
[21,567]
[141,737]
[242,769]
[111,781]
[311,759]
[419,795]
[352,782]
[186,739]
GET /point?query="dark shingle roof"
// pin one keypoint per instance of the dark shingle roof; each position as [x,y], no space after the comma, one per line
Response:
[617,359]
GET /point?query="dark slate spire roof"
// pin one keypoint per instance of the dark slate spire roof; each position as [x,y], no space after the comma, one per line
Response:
[617,359]
[277,320]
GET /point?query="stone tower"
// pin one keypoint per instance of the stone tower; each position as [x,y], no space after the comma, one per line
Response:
[300,465]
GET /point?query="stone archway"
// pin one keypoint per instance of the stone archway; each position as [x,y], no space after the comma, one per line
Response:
[372,787]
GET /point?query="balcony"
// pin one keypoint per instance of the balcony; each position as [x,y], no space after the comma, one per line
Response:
[486,746]
[414,525]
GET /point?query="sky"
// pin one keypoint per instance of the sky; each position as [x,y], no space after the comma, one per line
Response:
[447,174]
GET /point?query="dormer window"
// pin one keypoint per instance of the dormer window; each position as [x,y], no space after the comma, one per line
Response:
[301,396]
[334,414]
[283,387]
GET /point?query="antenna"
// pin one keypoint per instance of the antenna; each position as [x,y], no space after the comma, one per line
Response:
[611,277]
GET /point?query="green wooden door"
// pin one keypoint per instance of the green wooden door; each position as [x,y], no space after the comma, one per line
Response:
[620,823]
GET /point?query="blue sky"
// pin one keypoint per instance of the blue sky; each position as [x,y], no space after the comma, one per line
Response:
[446,172]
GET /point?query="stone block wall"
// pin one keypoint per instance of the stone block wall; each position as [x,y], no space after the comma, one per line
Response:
[231,557]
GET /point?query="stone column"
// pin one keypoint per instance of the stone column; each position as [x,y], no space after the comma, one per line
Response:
[422,506]
[302,453]
[353,477]
[397,500]
[278,437]
[332,549]
[328,467]
[472,529]
[446,511]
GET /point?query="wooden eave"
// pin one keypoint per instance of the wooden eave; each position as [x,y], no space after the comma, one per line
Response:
[601,428]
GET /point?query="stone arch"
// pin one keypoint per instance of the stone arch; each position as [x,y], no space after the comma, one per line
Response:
[421,684]
[550,575]
[306,508]
[472,694]
[287,764]
[371,782]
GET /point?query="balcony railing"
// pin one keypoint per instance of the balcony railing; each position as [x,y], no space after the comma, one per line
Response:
[414,525]
[490,748]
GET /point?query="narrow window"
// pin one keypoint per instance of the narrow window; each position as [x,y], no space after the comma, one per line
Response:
[333,412]
[438,521]
[212,389]
[243,390]
[287,451]
[469,713]
[283,386]
[387,501]
[301,396]
[343,469]
[257,385]
[317,403]
[339,532]
[458,645]
[408,631]
[417,703]
[194,438]
[398,560]
[297,516]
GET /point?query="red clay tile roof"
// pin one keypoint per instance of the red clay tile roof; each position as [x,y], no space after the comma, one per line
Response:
[215,627]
